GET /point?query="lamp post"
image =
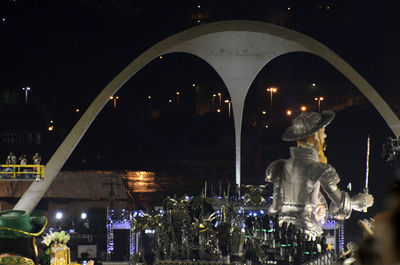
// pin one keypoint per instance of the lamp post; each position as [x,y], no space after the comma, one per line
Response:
[319,99]
[115,100]
[177,97]
[51,126]
[220,99]
[271,91]
[303,108]
[213,101]
[229,107]
[26,89]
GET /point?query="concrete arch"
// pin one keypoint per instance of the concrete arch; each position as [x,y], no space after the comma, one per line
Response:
[237,50]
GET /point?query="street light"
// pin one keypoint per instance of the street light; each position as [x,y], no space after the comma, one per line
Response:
[271,91]
[220,99]
[229,107]
[213,101]
[115,100]
[303,108]
[26,89]
[177,97]
[319,99]
[289,112]
[264,112]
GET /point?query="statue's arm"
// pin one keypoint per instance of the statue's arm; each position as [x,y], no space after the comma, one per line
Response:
[273,174]
[342,204]
[340,200]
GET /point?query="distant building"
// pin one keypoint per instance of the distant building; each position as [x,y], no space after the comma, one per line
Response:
[21,127]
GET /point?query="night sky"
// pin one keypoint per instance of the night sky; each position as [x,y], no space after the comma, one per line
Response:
[68,51]
[74,48]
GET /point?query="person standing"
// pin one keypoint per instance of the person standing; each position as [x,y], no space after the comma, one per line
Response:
[36,161]
[8,160]
[23,162]
[11,159]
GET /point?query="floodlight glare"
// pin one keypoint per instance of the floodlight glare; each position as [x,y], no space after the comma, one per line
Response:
[83,215]
[59,215]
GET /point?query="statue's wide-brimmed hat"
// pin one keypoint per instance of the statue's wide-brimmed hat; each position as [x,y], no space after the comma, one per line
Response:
[306,124]
[19,224]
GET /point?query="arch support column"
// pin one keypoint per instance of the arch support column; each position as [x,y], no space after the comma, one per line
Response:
[237,57]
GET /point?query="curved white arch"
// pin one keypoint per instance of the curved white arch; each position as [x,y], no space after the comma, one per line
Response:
[237,50]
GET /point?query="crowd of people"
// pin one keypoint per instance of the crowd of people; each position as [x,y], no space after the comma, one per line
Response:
[8,170]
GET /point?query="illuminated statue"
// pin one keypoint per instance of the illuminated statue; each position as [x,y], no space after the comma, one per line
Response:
[297,198]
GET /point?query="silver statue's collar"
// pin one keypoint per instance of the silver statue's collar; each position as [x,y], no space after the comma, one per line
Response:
[304,152]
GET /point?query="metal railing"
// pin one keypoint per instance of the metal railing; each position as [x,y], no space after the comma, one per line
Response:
[21,172]
[328,258]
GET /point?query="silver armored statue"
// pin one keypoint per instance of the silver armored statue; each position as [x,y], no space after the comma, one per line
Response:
[297,181]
